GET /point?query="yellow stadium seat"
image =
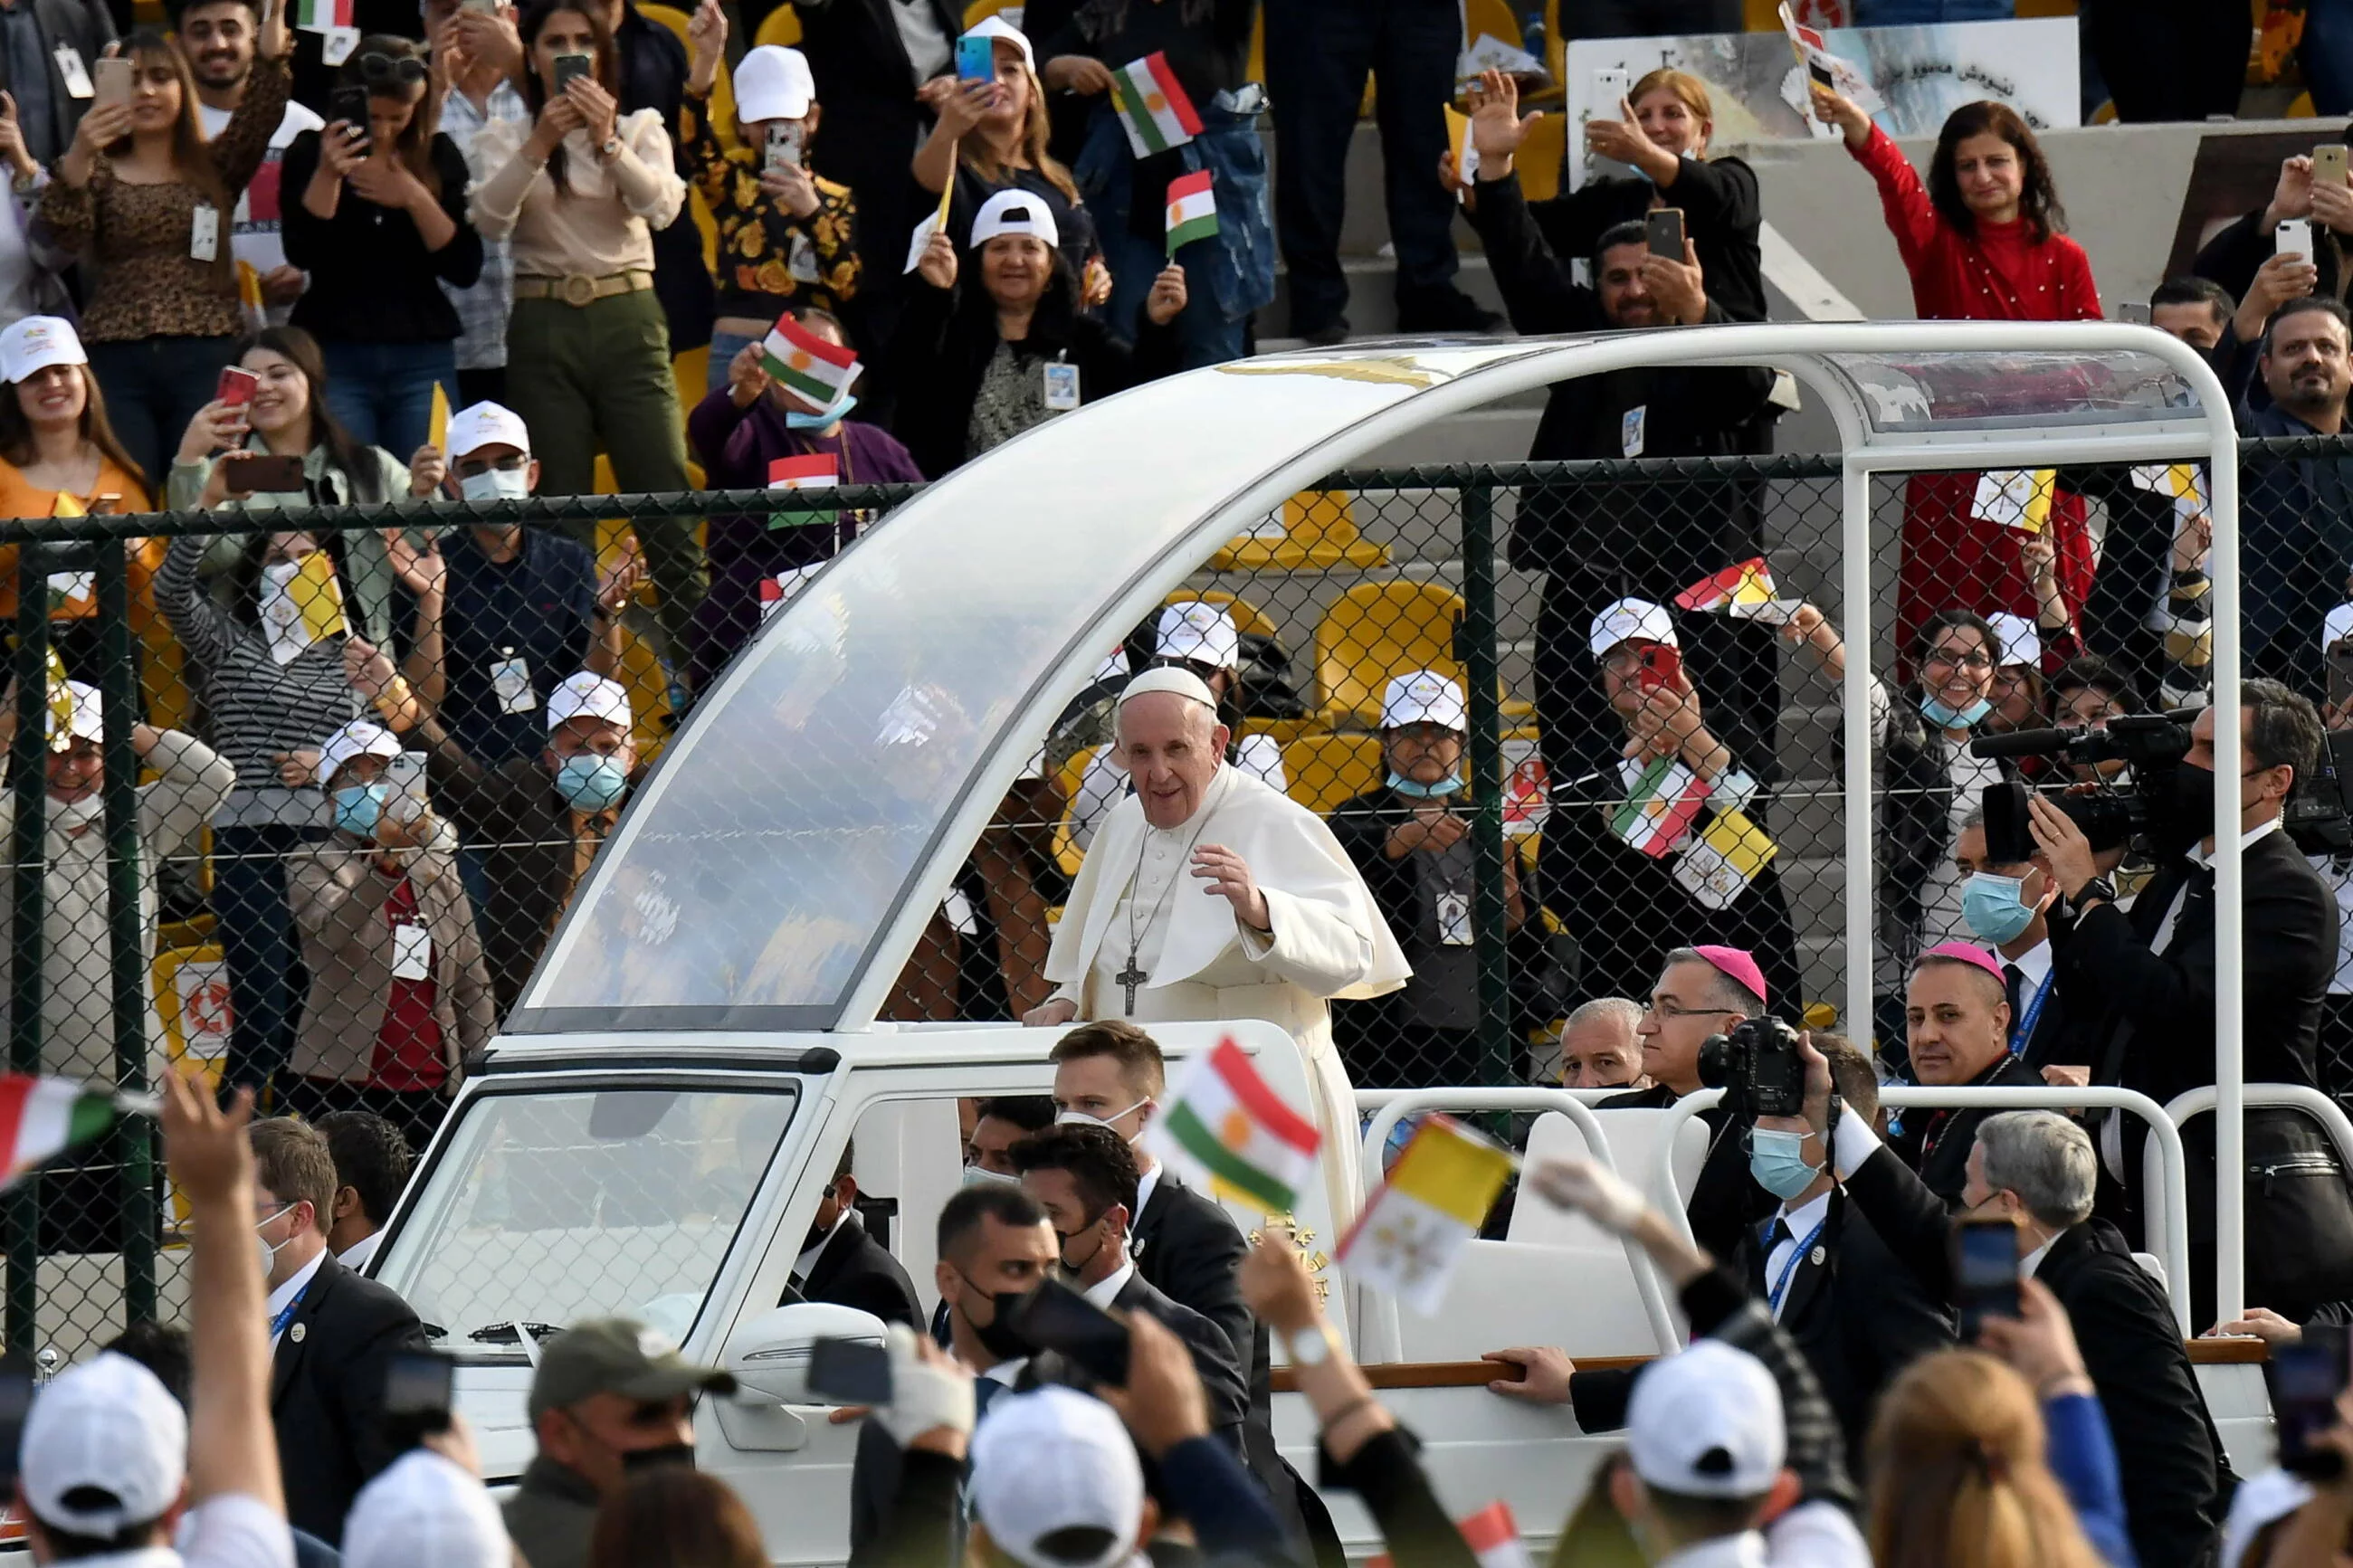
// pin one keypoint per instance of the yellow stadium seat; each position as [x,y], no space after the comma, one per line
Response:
[1490,19]
[1315,531]
[1328,771]
[1067,853]
[1538,161]
[672,16]
[1282,731]
[980,11]
[1761,15]
[690,368]
[1375,631]
[1248,619]
[781,27]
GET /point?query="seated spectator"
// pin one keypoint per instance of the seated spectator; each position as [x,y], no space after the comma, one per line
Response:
[740,430]
[787,236]
[372,1161]
[2009,906]
[1702,883]
[841,1263]
[1959,1019]
[996,1125]
[429,1506]
[1415,853]
[523,604]
[378,219]
[976,365]
[611,1402]
[477,92]
[675,1517]
[1601,1048]
[2291,535]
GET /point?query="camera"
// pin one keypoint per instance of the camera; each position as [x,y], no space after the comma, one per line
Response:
[2319,816]
[1757,1067]
[2152,744]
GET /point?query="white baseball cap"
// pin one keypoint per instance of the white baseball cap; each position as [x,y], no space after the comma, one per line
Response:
[360,738]
[1706,1423]
[1169,678]
[587,695]
[2020,642]
[35,343]
[773,83]
[108,1433]
[2337,628]
[1425,697]
[1054,1462]
[999,28]
[1014,211]
[481,424]
[1631,620]
[88,722]
[423,1509]
[1200,631]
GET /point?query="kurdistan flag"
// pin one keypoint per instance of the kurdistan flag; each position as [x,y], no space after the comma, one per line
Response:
[1225,1126]
[800,361]
[1192,209]
[1152,106]
[42,1117]
[1437,1195]
[1660,807]
[1750,583]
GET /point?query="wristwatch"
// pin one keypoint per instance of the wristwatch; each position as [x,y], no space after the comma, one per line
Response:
[609,149]
[1309,1347]
[2100,888]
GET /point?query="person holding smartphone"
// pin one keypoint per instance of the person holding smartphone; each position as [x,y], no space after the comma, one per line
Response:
[378,220]
[787,236]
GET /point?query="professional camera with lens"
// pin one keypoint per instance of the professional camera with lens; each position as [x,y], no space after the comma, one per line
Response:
[2152,744]
[1757,1067]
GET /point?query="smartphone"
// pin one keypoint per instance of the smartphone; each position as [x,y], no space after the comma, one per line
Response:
[111,80]
[785,139]
[1053,1317]
[403,780]
[2134,310]
[416,1391]
[855,1372]
[2306,1378]
[975,59]
[2010,841]
[1985,1272]
[350,105]
[2328,163]
[570,68]
[1661,667]
[238,385]
[263,473]
[1611,85]
[1663,227]
[2293,237]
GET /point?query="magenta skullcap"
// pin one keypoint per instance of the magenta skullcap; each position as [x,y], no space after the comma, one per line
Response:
[1969,954]
[1738,964]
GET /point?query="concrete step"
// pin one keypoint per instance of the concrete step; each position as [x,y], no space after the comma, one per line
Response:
[1372,296]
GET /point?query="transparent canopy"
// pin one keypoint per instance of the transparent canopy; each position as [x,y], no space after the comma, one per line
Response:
[829,785]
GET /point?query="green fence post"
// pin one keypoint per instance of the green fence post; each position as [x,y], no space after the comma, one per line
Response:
[20,1219]
[1482,671]
[134,1147]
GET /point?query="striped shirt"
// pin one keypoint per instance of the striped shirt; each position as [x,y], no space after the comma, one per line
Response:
[258,708]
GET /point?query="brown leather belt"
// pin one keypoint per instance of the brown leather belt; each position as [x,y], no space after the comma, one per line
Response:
[578,289]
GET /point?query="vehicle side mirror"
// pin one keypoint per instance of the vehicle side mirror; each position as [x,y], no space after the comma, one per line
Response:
[770,1354]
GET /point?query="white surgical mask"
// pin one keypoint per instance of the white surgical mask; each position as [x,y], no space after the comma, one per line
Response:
[496,484]
[974,1176]
[268,1252]
[1068,1117]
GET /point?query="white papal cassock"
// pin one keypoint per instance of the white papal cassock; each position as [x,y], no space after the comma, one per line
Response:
[1143,938]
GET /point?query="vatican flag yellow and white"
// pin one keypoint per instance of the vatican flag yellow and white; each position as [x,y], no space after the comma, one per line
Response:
[1436,1196]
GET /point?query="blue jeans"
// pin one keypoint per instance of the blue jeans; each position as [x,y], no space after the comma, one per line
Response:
[724,346]
[154,387]
[382,393]
[266,982]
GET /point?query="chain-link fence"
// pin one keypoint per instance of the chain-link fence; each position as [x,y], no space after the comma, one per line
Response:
[1626,739]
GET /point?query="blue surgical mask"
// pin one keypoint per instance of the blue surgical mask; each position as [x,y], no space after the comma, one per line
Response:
[1778,1161]
[1996,906]
[357,808]
[1948,718]
[592,783]
[1406,786]
[802,419]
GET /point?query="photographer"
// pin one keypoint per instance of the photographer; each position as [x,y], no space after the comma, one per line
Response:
[2153,969]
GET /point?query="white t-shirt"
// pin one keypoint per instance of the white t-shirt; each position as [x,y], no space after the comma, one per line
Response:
[229,1531]
[928,50]
[254,237]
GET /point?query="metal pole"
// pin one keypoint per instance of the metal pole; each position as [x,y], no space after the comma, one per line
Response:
[2229,883]
[1489,913]
[28,763]
[126,928]
[1855,696]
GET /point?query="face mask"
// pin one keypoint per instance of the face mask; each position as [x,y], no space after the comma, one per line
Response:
[1949,718]
[997,1335]
[974,1176]
[1080,1119]
[1406,786]
[2193,806]
[638,1461]
[1074,1266]
[1778,1161]
[592,783]
[496,484]
[832,413]
[1996,906]
[357,807]
[268,1249]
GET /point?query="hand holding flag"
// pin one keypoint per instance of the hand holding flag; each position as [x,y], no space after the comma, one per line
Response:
[1410,1235]
[1192,209]
[800,361]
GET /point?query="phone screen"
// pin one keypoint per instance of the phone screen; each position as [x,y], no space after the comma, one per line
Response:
[418,1386]
[1056,1317]
[975,59]
[855,1371]
[1985,1271]
[568,68]
[2306,1378]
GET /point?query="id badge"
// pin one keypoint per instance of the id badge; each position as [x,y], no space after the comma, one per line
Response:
[1629,429]
[801,259]
[204,233]
[76,75]
[1062,386]
[1454,920]
[412,953]
[510,683]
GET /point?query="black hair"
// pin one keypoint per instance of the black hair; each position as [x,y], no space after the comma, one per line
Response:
[163,1349]
[65,1546]
[1632,232]
[175,9]
[370,1156]
[2094,672]
[2285,731]
[1029,1113]
[1942,621]
[1098,1160]
[961,1215]
[2333,308]
[2190,290]
[2038,193]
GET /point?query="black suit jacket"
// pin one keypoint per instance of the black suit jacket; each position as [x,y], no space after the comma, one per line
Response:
[855,1270]
[1726,1200]
[89,27]
[1213,1356]
[326,1393]
[2175,1477]
[1937,1143]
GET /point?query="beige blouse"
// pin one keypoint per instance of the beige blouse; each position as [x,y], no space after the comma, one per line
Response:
[602,223]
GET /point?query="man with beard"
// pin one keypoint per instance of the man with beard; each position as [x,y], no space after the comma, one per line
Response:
[2296,514]
[217,38]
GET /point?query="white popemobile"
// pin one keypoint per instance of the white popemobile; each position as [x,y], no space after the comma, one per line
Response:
[649,1135]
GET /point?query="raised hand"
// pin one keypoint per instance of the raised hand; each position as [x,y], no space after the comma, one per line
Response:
[1229,876]
[706,41]
[1496,127]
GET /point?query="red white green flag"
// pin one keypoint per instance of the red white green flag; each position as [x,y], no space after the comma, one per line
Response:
[1660,808]
[1192,209]
[800,361]
[42,1117]
[317,15]
[811,471]
[1152,106]
[1225,1126]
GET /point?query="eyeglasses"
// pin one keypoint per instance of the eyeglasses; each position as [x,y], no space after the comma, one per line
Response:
[380,69]
[1941,659]
[1666,1010]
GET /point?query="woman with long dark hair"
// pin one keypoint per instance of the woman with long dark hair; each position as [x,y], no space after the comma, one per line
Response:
[1984,240]
[378,220]
[149,200]
[674,1516]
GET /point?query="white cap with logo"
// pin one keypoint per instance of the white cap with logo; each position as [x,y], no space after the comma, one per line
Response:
[1706,1423]
[31,344]
[1424,697]
[86,721]
[1014,211]
[2020,642]
[587,695]
[480,424]
[773,83]
[422,1509]
[108,1435]
[2337,628]
[1197,631]
[1055,1481]
[1631,620]
[360,738]
[997,29]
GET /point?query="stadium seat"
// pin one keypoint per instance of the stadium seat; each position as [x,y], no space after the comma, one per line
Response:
[1248,619]
[1314,531]
[1328,771]
[782,27]
[1375,631]
[1067,853]
[1538,162]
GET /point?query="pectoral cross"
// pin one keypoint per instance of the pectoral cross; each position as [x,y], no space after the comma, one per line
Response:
[1128,979]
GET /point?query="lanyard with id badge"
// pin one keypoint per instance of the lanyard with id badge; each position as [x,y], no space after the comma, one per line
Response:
[510,682]
[1062,386]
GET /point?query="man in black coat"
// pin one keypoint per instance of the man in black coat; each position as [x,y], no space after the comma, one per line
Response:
[1957,1022]
[2154,969]
[2044,1031]
[60,41]
[841,1264]
[333,1333]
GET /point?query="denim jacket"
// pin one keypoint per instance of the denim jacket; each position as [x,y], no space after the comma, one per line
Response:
[1241,277]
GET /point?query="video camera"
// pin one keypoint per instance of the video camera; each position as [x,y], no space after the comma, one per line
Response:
[2153,744]
[1757,1067]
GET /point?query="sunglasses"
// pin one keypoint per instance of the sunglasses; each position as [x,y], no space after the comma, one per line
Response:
[379,69]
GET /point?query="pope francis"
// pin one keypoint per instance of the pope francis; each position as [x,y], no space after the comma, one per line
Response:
[1273,923]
